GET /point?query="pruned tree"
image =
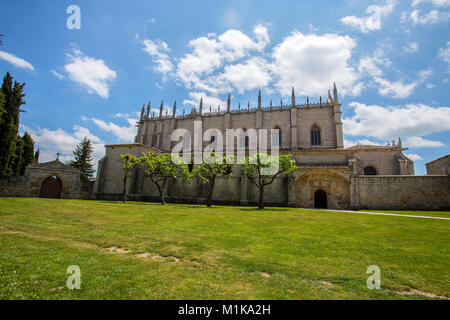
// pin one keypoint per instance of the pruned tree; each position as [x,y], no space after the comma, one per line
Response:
[262,169]
[128,162]
[83,159]
[159,168]
[211,167]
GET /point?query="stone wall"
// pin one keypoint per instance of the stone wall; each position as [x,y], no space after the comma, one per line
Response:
[402,192]
[30,184]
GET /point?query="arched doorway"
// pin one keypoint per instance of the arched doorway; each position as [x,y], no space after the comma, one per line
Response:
[370,171]
[51,188]
[320,200]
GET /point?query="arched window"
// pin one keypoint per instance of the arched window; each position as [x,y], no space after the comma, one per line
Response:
[316,139]
[370,171]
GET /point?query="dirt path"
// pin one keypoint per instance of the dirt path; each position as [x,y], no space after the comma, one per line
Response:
[389,214]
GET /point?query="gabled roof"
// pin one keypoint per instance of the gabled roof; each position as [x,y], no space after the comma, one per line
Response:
[53,165]
[438,159]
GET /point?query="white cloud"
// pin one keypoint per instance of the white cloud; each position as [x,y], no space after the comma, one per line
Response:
[371,65]
[311,63]
[413,156]
[436,3]
[125,134]
[208,101]
[200,69]
[395,89]
[151,20]
[411,47]
[57,74]
[411,120]
[419,142]
[93,74]
[372,21]
[432,17]
[157,50]
[16,61]
[252,74]
[51,142]
[444,54]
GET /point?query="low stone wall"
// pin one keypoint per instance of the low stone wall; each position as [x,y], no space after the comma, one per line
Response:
[403,192]
[15,187]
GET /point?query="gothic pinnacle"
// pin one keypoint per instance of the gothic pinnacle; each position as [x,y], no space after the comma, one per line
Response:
[229,103]
[201,106]
[161,109]
[293,97]
[259,99]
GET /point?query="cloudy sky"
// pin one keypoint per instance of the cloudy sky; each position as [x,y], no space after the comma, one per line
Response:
[390,60]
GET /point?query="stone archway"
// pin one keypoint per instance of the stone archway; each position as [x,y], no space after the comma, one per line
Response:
[51,188]
[320,199]
[334,185]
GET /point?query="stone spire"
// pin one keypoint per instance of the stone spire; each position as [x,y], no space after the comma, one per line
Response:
[307,101]
[201,106]
[248,106]
[149,107]
[239,106]
[259,99]
[399,143]
[281,102]
[229,103]
[293,98]
[335,93]
[143,112]
[329,98]
[271,103]
[320,100]
[161,109]
[174,109]
[210,109]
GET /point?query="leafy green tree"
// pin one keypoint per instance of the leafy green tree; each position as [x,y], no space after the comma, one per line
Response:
[83,159]
[160,167]
[211,167]
[262,169]
[13,99]
[128,162]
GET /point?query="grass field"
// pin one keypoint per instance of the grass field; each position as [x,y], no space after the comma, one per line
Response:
[146,251]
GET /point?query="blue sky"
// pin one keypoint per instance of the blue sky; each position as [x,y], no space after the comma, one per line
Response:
[389,58]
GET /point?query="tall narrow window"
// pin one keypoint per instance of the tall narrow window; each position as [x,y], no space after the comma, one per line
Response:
[280,139]
[315,136]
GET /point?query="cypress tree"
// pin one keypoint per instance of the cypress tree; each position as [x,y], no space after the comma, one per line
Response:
[83,158]
[36,156]
[13,96]
[28,152]
[17,160]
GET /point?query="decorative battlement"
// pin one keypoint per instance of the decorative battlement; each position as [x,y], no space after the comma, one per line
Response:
[329,102]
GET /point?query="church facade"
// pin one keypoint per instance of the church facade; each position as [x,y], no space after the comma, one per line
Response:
[327,175]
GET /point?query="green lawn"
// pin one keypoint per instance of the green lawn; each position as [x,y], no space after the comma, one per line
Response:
[191,252]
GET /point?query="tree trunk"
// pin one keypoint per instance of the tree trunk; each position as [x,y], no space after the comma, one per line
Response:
[261,198]
[210,194]
[161,195]
[125,189]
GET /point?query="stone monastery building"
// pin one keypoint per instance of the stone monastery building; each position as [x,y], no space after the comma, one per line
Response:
[327,175]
